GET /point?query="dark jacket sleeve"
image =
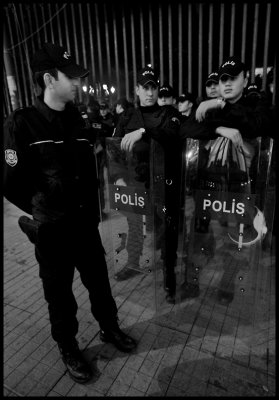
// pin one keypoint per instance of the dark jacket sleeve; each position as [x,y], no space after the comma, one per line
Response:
[167,131]
[122,122]
[17,170]
[191,128]
[250,121]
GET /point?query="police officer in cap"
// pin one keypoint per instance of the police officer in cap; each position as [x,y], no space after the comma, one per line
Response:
[212,85]
[137,127]
[50,174]
[166,95]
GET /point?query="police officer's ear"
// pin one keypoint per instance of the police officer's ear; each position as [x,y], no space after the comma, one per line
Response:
[137,90]
[48,79]
[245,83]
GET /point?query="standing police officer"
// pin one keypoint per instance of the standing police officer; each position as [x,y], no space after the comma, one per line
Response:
[50,173]
[137,127]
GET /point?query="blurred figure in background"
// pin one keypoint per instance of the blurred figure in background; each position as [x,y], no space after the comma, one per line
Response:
[212,85]
[166,95]
[121,106]
[186,105]
[106,119]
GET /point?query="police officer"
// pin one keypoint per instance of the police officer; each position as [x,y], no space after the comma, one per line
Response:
[137,127]
[231,116]
[106,119]
[166,95]
[120,107]
[212,85]
[186,105]
[49,173]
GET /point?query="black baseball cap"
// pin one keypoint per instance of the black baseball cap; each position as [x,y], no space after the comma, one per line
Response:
[186,96]
[165,91]
[54,56]
[232,66]
[253,89]
[123,102]
[104,105]
[212,77]
[147,75]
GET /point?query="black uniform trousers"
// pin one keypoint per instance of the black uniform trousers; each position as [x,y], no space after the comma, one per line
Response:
[60,248]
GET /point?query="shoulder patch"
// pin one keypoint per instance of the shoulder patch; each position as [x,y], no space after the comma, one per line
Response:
[11,157]
[176,120]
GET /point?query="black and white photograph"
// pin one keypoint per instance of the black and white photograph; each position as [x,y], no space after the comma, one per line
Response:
[139,206]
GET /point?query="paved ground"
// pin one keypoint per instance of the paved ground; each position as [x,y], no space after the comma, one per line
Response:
[196,348]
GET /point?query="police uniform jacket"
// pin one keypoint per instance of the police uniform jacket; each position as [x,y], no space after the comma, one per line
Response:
[162,125]
[49,165]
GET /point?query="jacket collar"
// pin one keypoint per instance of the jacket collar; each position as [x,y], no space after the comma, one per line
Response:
[46,111]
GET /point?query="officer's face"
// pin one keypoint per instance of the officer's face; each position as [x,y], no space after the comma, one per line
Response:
[104,111]
[231,87]
[64,89]
[119,109]
[212,90]
[148,94]
[163,101]
[184,106]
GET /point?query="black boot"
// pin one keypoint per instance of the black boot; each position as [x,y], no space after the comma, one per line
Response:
[78,368]
[113,334]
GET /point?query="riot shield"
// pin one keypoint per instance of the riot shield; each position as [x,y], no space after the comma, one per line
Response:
[141,227]
[130,221]
[227,286]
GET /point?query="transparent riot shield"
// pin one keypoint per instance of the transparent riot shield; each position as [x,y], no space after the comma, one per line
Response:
[228,277]
[130,221]
[141,223]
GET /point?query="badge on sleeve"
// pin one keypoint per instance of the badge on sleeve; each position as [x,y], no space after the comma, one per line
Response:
[175,120]
[11,157]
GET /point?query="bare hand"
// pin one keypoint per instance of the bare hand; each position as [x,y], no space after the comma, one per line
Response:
[233,134]
[130,139]
[120,182]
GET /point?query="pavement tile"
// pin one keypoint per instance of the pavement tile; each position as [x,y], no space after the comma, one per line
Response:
[149,367]
[25,386]
[133,392]
[134,361]
[64,385]
[157,388]
[141,382]
[39,390]
[118,389]
[126,376]
[9,352]
[40,352]
[39,372]
[175,392]
[52,393]
[103,384]
[113,367]
[27,365]
[7,369]
[14,378]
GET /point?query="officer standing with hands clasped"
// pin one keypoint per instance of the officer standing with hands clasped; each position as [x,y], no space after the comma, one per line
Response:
[137,127]
[50,173]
